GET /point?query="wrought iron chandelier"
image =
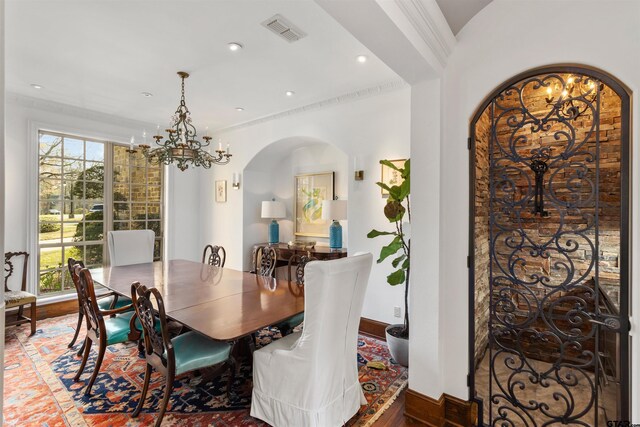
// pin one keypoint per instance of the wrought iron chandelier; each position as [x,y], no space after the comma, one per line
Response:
[577,95]
[182,146]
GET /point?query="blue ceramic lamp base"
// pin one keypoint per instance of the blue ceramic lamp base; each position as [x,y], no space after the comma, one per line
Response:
[335,235]
[274,232]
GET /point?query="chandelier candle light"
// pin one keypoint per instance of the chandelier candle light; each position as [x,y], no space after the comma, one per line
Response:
[335,210]
[274,210]
[182,146]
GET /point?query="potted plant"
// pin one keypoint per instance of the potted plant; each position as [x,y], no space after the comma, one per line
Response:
[398,212]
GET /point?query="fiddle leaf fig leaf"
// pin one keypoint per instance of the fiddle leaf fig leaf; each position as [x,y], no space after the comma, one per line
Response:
[391,165]
[383,186]
[396,278]
[390,249]
[406,172]
[397,261]
[405,264]
[376,233]
[394,193]
[405,188]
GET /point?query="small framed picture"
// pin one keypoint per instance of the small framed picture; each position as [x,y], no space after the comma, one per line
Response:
[390,176]
[221,191]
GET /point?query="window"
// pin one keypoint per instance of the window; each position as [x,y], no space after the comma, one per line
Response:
[137,195]
[87,187]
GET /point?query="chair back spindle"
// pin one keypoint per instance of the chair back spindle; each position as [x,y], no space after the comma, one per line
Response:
[298,262]
[214,255]
[87,296]
[157,341]
[9,260]
[266,257]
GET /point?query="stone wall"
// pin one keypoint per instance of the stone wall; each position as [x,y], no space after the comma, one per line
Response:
[481,236]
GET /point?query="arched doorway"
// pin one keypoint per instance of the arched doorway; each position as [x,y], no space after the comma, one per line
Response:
[549,250]
[271,174]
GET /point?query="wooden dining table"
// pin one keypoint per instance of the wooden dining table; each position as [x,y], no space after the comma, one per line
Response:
[221,303]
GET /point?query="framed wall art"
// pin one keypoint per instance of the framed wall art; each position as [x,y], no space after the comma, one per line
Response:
[221,191]
[310,190]
[390,176]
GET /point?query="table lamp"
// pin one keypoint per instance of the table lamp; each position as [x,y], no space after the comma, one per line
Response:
[274,210]
[334,210]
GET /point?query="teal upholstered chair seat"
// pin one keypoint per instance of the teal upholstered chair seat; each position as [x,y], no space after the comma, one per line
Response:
[105,303]
[118,327]
[291,322]
[193,351]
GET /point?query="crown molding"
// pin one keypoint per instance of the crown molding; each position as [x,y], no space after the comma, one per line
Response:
[331,102]
[427,19]
[57,107]
[70,110]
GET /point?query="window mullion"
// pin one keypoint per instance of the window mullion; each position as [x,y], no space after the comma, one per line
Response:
[107,209]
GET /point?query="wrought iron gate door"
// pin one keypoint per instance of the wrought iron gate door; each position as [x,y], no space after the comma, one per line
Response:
[558,320]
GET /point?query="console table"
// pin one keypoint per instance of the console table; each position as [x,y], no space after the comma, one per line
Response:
[284,252]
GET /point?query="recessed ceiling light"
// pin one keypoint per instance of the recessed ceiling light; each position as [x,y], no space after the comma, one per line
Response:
[290,93]
[35,86]
[361,58]
[235,46]
[239,109]
[146,94]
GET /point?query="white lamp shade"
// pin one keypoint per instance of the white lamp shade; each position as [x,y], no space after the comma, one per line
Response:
[273,209]
[334,209]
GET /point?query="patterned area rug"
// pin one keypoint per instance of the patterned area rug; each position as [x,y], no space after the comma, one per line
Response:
[39,388]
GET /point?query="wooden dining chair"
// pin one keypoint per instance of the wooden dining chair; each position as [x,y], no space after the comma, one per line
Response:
[296,264]
[104,327]
[214,255]
[18,298]
[108,301]
[173,356]
[265,261]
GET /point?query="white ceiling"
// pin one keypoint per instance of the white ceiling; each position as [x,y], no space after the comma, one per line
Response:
[459,12]
[101,54]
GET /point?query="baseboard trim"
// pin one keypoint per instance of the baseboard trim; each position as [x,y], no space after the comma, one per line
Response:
[53,309]
[447,411]
[373,328]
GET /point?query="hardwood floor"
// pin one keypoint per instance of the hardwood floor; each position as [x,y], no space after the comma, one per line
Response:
[394,415]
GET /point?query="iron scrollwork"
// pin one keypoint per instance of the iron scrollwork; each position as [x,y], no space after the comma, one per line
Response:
[543,167]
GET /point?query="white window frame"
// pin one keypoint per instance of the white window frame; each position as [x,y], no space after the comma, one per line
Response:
[33,173]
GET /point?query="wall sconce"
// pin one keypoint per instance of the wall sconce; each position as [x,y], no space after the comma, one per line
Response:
[358,175]
[235,183]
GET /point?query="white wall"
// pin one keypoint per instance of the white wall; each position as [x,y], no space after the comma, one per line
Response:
[504,39]
[425,338]
[372,129]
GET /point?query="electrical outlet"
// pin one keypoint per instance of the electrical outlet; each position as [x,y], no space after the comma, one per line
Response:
[397,311]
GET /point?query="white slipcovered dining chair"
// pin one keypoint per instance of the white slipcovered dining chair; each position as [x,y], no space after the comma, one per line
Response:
[310,378]
[131,246]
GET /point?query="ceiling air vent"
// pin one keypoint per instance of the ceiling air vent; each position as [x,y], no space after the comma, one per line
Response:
[283,28]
